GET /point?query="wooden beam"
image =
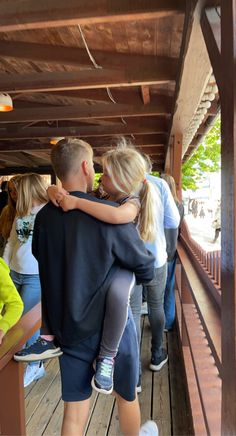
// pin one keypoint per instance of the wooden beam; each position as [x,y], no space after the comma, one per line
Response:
[29,14]
[145,94]
[54,54]
[83,111]
[142,127]
[187,31]
[123,96]
[12,159]
[210,24]
[141,140]
[88,79]
[177,162]
[227,89]
[7,171]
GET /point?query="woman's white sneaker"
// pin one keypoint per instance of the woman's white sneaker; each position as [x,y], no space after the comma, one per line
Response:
[33,372]
[149,429]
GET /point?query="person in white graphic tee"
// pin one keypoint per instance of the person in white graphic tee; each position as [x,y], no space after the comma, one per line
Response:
[31,197]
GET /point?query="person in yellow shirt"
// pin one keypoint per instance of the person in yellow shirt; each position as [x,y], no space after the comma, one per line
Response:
[11,305]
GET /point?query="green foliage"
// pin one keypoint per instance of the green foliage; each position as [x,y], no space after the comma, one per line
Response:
[96,179]
[206,158]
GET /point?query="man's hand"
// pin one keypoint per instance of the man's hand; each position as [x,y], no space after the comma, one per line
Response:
[1,336]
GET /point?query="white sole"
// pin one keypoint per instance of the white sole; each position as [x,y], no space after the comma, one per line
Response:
[101,391]
[158,367]
[138,389]
[43,356]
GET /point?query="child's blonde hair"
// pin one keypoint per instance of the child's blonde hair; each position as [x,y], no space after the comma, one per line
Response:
[127,169]
[31,188]
[9,211]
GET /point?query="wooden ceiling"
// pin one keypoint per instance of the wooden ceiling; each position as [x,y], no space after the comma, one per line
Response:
[95,69]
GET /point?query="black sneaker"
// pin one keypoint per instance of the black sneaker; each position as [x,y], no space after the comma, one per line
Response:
[158,362]
[39,350]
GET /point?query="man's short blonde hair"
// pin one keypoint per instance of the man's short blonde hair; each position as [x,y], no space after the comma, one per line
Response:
[67,155]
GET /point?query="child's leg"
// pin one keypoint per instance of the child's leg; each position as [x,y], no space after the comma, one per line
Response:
[117,302]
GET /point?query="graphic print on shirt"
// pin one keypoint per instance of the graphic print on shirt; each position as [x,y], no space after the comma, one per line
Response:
[25,227]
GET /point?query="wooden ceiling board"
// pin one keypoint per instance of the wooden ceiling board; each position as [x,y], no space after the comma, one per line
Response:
[58,91]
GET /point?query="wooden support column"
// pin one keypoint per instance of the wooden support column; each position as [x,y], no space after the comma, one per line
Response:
[228,210]
[177,162]
[12,403]
[167,168]
[222,52]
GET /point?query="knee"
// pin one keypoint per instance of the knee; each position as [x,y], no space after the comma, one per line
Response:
[119,298]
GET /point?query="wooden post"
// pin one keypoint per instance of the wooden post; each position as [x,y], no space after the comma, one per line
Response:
[222,52]
[228,238]
[167,168]
[12,404]
[177,162]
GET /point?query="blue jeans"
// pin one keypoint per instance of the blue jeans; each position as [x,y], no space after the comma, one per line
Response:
[29,288]
[169,298]
[155,300]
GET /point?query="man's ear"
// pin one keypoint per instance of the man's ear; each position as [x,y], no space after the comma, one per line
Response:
[85,167]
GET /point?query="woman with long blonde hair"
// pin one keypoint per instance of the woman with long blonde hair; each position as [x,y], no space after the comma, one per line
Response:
[31,197]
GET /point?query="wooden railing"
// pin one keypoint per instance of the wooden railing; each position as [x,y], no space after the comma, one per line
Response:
[12,406]
[198,302]
[207,263]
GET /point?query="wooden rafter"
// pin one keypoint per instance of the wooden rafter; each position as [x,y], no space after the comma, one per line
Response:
[140,127]
[79,112]
[88,79]
[29,14]
[124,96]
[152,140]
[77,56]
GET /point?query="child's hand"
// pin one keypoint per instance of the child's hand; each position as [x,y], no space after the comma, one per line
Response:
[54,192]
[1,336]
[68,202]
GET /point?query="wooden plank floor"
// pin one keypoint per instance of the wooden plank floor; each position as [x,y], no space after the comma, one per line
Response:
[163,398]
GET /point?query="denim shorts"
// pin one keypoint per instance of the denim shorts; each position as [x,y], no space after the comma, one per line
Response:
[76,365]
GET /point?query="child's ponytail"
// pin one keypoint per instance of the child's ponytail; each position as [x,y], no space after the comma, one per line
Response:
[150,202]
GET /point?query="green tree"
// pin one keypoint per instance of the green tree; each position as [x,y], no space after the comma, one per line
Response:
[205,159]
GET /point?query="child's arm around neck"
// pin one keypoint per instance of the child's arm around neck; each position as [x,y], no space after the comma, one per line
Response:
[123,214]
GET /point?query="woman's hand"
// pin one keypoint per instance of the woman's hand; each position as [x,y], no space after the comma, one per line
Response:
[54,194]
[2,334]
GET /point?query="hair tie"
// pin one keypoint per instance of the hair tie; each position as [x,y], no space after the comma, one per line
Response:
[145,181]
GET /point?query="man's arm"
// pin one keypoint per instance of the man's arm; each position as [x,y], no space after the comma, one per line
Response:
[130,252]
